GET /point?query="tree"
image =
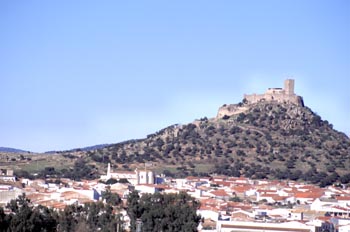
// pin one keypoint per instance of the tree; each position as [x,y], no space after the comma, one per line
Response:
[163,212]
[236,199]
[4,220]
[25,217]
[43,219]
[111,198]
[68,218]
[124,181]
[80,170]
[225,117]
[134,209]
[240,153]
[111,181]
[345,178]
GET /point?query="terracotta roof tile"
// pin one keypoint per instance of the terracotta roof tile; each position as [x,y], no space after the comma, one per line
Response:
[343,198]
[219,193]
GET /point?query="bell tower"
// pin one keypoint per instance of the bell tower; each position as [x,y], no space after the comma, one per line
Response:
[109,171]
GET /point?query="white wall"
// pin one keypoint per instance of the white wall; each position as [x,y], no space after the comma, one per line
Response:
[208,214]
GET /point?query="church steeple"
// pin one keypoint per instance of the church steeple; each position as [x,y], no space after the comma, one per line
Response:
[109,171]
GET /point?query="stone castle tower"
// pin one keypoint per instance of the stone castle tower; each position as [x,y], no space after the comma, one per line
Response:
[289,86]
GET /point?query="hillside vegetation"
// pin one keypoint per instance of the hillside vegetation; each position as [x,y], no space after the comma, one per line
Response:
[267,140]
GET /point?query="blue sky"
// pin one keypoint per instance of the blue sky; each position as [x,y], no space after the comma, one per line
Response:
[80,73]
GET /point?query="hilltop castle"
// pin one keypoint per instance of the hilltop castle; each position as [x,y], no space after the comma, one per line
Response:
[285,95]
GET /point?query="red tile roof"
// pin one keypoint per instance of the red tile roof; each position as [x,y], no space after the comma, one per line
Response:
[220,193]
[309,195]
[222,183]
[241,189]
[343,198]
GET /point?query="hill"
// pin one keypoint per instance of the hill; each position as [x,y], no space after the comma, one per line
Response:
[271,135]
[89,148]
[265,140]
[11,150]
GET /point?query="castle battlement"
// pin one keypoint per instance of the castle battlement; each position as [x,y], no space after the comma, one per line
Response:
[285,95]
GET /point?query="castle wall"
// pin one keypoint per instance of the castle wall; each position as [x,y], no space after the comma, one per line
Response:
[275,91]
[254,98]
[231,110]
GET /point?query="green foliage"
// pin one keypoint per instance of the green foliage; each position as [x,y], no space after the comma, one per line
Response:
[225,117]
[163,212]
[24,217]
[256,143]
[111,198]
[4,220]
[81,170]
[48,172]
[111,181]
[24,174]
[124,181]
[235,199]
[345,179]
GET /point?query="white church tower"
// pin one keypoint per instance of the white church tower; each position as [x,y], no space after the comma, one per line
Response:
[109,171]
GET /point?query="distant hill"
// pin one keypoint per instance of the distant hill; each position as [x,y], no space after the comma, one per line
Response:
[12,150]
[89,148]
